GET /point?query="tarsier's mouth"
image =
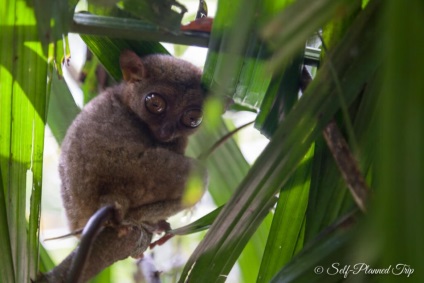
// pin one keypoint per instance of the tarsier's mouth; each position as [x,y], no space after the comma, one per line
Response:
[165,137]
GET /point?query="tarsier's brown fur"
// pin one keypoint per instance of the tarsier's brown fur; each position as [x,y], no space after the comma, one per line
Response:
[118,153]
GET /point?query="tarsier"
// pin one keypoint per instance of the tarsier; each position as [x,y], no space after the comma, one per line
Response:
[126,149]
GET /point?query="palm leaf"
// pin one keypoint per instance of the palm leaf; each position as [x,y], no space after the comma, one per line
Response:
[23,113]
[286,233]
[398,215]
[245,210]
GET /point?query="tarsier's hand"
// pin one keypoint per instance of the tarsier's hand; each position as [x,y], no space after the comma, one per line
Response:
[121,205]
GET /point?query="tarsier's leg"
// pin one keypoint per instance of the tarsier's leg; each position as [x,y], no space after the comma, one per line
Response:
[166,170]
[153,184]
[162,177]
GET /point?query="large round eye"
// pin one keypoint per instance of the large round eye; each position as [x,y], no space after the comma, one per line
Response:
[155,103]
[192,118]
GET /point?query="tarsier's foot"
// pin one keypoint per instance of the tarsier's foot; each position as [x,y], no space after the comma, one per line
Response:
[142,243]
[157,227]
[161,241]
[123,230]
[119,212]
[118,215]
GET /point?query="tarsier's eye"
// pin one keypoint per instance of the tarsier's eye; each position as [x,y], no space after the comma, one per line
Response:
[155,103]
[192,118]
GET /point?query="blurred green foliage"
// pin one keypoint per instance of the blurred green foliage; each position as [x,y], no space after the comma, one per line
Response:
[291,210]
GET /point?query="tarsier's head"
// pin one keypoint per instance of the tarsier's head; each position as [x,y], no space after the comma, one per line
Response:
[165,92]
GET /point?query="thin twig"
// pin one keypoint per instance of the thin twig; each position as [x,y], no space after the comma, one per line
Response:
[223,139]
[343,156]
[73,233]
[347,164]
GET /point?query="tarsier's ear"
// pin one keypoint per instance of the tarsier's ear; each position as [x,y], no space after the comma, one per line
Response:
[132,66]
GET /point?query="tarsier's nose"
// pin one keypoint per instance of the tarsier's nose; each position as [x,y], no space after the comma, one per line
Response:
[166,133]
